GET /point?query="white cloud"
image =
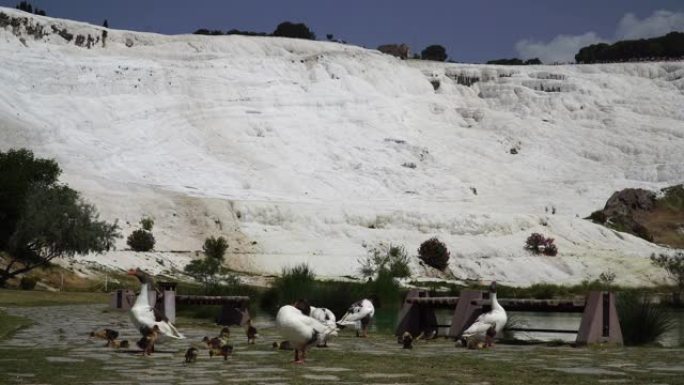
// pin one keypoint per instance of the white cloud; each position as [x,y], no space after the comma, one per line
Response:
[561,49]
[564,47]
[658,24]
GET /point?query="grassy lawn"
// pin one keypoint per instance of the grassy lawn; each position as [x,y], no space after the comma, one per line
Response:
[47,298]
[34,366]
[10,324]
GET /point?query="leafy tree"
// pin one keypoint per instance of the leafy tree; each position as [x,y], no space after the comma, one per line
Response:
[19,171]
[27,7]
[670,46]
[207,270]
[434,253]
[57,223]
[674,265]
[204,31]
[215,248]
[295,30]
[434,52]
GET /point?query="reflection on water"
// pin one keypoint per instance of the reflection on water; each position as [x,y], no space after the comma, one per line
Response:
[385,320]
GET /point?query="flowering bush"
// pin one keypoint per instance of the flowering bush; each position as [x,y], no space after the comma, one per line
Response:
[539,244]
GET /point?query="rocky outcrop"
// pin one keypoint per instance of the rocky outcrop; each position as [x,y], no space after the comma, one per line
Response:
[628,200]
[642,213]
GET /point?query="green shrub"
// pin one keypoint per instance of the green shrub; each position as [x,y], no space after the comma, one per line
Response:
[598,216]
[27,283]
[147,224]
[294,283]
[141,240]
[215,247]
[434,253]
[641,321]
[539,244]
[392,259]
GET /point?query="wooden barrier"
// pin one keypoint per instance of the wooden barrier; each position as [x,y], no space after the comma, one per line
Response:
[599,323]
[234,309]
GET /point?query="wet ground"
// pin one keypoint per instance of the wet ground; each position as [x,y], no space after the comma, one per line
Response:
[59,340]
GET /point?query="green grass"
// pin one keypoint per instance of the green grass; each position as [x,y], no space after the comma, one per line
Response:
[33,362]
[47,298]
[10,324]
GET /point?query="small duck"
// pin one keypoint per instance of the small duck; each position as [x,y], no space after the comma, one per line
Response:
[283,345]
[475,344]
[252,333]
[212,343]
[224,351]
[225,333]
[150,336]
[120,344]
[105,334]
[191,355]
[407,340]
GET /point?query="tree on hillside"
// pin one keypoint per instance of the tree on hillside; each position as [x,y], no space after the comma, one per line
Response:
[27,7]
[206,270]
[670,46]
[295,30]
[41,219]
[434,52]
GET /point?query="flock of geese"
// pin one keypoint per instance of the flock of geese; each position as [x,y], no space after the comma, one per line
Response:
[301,324]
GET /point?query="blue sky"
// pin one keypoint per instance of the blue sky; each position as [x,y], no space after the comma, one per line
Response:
[472,31]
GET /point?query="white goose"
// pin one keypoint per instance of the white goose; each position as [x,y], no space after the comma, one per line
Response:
[488,324]
[143,315]
[359,312]
[300,330]
[326,317]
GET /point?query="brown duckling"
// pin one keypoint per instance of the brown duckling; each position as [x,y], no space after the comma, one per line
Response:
[120,344]
[284,345]
[224,351]
[407,340]
[252,333]
[150,336]
[191,355]
[105,334]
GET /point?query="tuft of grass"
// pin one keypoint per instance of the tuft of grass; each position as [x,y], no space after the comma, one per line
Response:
[642,322]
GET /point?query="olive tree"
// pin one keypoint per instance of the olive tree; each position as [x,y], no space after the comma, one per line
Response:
[44,220]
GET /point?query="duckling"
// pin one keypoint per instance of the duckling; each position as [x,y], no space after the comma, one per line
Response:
[150,336]
[284,345]
[224,351]
[120,344]
[105,334]
[475,344]
[407,340]
[251,333]
[489,336]
[212,343]
[191,355]
[225,333]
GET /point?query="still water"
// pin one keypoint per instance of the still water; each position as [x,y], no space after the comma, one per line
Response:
[385,320]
